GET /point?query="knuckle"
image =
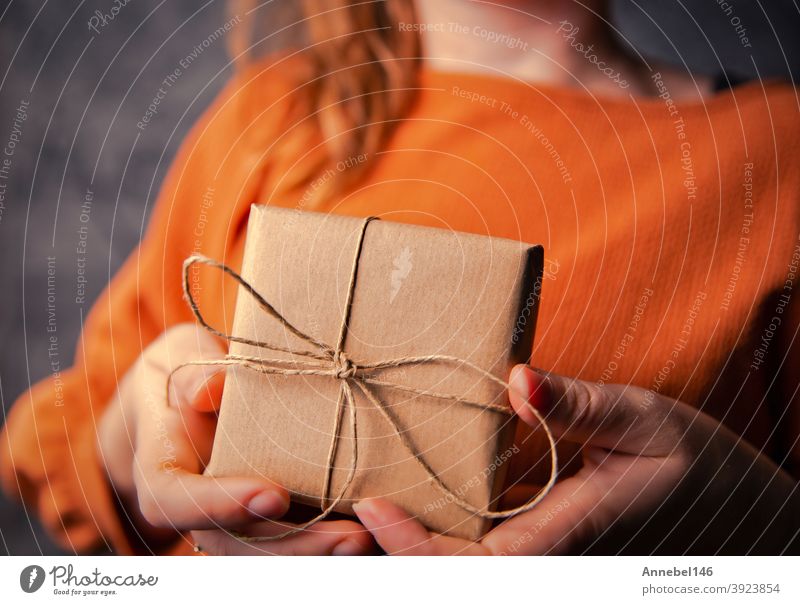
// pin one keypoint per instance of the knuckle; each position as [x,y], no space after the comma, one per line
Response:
[189,341]
[679,428]
[591,526]
[179,335]
[590,405]
[151,511]
[183,331]
[193,335]
[590,522]
[683,453]
[672,428]
[150,505]
[150,370]
[229,509]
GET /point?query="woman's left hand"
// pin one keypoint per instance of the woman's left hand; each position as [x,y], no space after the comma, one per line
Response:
[657,476]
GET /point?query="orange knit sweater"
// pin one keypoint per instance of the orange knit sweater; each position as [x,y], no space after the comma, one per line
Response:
[671,232]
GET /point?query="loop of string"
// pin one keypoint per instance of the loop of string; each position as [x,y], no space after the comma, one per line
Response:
[333,362]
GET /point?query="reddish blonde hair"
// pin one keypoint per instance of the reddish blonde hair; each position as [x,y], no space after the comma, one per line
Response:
[364,73]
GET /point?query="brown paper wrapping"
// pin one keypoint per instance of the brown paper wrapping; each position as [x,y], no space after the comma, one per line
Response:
[419,291]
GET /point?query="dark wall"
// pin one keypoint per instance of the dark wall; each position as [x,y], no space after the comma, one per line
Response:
[82,93]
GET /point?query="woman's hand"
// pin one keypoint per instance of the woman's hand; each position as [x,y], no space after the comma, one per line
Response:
[657,476]
[155,450]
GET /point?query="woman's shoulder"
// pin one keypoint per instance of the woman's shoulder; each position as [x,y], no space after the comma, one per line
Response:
[773,105]
[763,120]
[784,111]
[771,117]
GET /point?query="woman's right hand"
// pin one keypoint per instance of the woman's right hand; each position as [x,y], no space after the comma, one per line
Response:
[155,448]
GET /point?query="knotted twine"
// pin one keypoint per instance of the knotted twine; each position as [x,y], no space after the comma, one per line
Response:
[334,363]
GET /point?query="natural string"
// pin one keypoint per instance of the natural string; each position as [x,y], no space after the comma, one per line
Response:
[332,362]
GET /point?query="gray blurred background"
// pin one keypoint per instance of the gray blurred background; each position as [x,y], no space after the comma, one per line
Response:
[86,92]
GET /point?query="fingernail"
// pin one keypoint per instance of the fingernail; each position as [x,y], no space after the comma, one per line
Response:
[541,396]
[519,382]
[531,385]
[268,504]
[347,548]
[202,383]
[366,512]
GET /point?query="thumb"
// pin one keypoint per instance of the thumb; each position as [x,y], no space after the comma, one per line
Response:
[613,417]
[197,386]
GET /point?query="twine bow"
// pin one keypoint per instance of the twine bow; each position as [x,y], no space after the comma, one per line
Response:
[333,362]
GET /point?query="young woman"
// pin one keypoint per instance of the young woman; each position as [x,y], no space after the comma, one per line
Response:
[670,216]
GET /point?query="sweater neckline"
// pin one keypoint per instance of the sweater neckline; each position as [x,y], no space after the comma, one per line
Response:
[494,85]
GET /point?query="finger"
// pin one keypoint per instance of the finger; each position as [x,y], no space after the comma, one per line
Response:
[399,534]
[199,386]
[171,493]
[518,494]
[195,390]
[181,500]
[195,397]
[208,396]
[621,418]
[569,518]
[581,510]
[323,538]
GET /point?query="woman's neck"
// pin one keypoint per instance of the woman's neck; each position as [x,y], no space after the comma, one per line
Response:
[558,42]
